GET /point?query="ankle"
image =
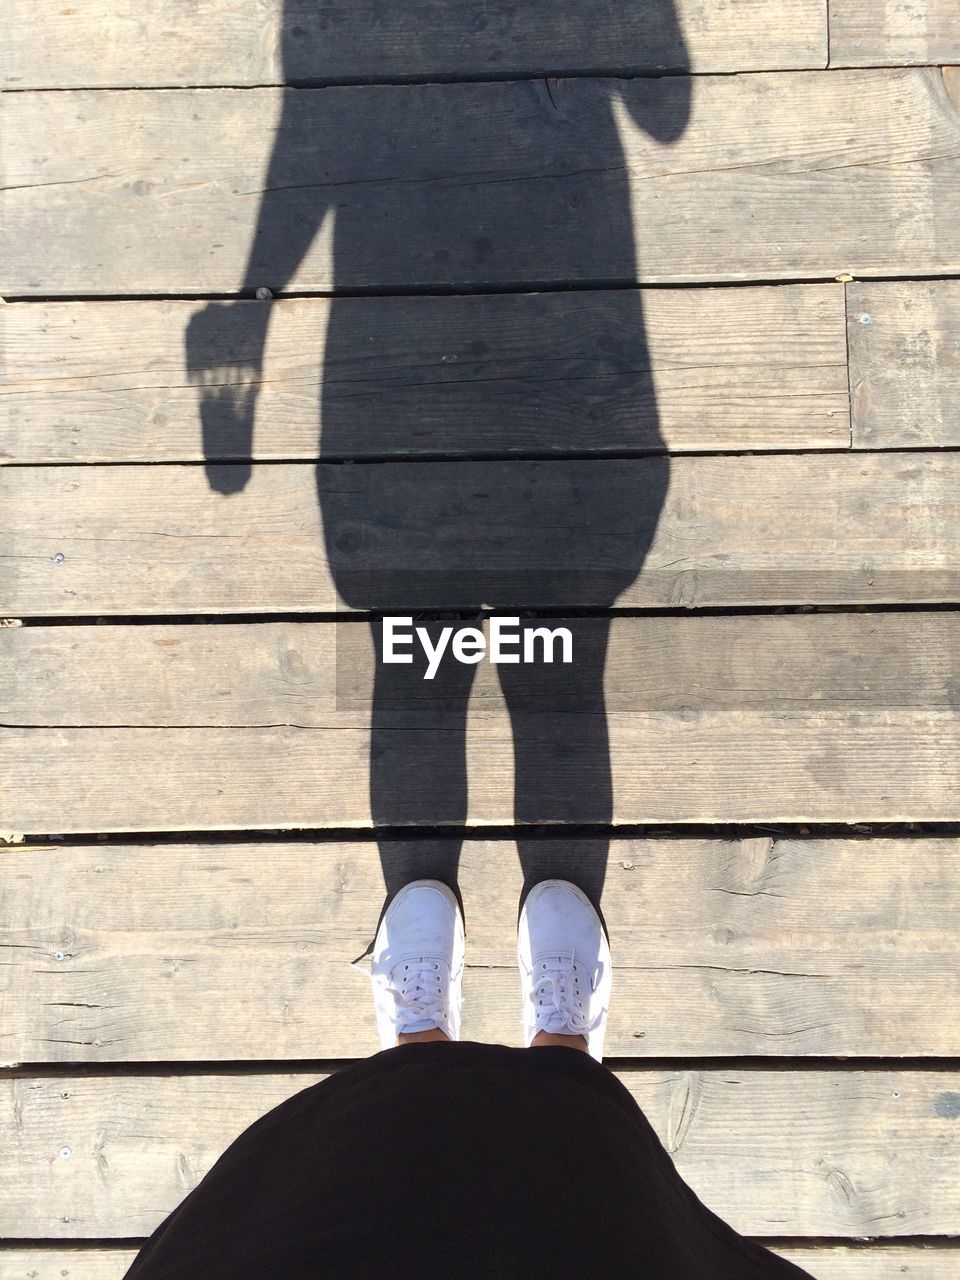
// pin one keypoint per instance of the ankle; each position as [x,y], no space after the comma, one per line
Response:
[550,1039]
[421,1037]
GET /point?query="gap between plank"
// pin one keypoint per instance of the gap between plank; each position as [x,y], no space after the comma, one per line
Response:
[810,832]
[465,290]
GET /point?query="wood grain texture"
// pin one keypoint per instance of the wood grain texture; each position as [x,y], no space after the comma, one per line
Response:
[482,185]
[879,1261]
[805,1153]
[745,947]
[79,780]
[822,718]
[868,32]
[752,368]
[231,43]
[904,342]
[649,531]
[873,1261]
[316,675]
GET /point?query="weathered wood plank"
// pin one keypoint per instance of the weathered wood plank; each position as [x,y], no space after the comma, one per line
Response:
[820,717]
[904,341]
[482,185]
[766,1150]
[870,1262]
[866,32]
[676,766]
[67,1264]
[751,946]
[226,43]
[750,368]
[831,1262]
[649,531]
[312,676]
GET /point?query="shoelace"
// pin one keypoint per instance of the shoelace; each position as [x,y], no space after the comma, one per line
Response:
[417,989]
[558,982]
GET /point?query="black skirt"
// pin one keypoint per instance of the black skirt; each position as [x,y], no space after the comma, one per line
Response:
[461,1160]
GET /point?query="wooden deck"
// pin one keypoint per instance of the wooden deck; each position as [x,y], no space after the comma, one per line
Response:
[644,320]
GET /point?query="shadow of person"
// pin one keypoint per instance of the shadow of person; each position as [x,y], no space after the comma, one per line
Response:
[473,192]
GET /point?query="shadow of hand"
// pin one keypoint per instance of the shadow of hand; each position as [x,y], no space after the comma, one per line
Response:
[224,350]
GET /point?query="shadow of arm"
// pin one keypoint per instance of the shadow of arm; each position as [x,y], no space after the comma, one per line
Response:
[661,106]
[225,341]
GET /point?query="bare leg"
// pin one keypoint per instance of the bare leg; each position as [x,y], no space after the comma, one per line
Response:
[541,1039]
[421,1037]
[546,1039]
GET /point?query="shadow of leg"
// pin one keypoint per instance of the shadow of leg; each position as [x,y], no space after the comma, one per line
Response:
[418,771]
[562,754]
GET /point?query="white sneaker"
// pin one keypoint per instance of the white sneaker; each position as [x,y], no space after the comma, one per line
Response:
[417,967]
[565,965]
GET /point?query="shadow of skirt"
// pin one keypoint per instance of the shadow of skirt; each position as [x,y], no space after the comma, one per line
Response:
[463,1160]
